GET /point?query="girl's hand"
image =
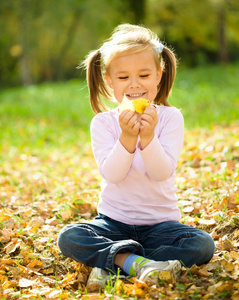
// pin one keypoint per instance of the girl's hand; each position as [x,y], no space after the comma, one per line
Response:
[128,121]
[149,120]
[130,126]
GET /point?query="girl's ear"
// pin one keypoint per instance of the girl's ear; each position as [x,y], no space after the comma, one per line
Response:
[159,75]
[109,81]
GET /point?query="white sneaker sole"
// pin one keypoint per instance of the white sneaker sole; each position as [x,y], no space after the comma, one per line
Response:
[98,276]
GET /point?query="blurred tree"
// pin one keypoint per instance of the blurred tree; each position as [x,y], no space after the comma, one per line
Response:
[226,11]
[45,40]
[138,10]
[198,29]
[22,7]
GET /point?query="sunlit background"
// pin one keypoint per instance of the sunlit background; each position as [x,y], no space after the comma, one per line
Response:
[45,40]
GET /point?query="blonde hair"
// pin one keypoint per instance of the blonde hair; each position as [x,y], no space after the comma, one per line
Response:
[127,39]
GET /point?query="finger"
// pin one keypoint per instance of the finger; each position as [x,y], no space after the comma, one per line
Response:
[145,124]
[150,110]
[150,115]
[125,116]
[136,126]
[147,117]
[132,121]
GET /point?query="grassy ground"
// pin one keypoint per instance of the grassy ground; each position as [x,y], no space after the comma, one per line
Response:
[48,178]
[59,114]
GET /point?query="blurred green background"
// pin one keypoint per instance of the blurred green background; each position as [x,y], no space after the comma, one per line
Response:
[42,40]
[43,96]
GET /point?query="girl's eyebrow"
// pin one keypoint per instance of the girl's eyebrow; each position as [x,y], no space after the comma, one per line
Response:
[141,70]
[145,69]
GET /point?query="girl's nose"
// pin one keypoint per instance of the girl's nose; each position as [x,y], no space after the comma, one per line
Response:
[134,83]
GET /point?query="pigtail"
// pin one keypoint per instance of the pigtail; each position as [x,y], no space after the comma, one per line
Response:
[169,72]
[95,81]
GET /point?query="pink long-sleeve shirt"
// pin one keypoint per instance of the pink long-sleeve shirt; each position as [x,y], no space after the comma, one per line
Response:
[138,188]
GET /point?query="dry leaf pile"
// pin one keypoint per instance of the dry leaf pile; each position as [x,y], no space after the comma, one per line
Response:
[42,193]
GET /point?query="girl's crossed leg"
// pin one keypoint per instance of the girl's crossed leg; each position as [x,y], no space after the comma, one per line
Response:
[105,243]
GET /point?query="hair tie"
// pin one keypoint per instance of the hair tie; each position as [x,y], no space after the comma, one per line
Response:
[103,48]
[158,46]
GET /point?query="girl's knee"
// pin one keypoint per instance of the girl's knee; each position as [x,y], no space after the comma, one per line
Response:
[69,236]
[205,248]
[201,249]
[63,239]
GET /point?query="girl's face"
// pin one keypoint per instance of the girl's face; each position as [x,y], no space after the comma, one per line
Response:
[135,75]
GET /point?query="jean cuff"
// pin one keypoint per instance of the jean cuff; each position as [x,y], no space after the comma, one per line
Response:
[130,246]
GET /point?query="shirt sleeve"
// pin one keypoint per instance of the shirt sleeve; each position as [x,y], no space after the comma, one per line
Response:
[161,155]
[113,160]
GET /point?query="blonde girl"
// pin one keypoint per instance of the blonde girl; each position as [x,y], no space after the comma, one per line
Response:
[137,229]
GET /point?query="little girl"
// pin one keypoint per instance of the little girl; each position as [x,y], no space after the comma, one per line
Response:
[137,228]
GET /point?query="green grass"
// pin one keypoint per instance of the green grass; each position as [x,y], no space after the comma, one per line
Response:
[45,116]
[208,95]
[58,114]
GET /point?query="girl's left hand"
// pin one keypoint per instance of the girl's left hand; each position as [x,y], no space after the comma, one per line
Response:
[149,120]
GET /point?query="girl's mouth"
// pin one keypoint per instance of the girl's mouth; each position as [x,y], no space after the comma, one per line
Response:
[135,96]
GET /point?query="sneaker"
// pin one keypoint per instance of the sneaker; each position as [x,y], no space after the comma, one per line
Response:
[98,276]
[154,271]
[102,277]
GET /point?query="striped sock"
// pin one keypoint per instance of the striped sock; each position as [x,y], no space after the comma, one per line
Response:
[128,263]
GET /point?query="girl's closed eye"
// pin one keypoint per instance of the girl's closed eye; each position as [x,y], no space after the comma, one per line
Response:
[123,77]
[144,76]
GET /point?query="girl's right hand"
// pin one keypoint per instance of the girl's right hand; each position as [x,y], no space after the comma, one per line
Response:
[130,126]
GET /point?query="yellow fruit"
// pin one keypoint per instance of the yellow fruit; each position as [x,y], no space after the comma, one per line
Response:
[137,105]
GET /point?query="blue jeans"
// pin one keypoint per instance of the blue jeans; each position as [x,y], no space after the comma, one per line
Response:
[96,243]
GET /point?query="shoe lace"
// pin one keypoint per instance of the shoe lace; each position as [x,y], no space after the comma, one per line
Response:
[136,268]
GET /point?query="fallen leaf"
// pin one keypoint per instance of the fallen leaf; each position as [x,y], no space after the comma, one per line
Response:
[23,282]
[35,265]
[208,223]
[227,244]
[94,287]
[203,272]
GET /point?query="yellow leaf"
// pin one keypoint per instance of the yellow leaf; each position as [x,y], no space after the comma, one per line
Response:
[66,214]
[140,104]
[3,279]
[48,271]
[165,275]
[208,296]
[228,266]
[6,285]
[137,105]
[9,262]
[34,228]
[235,296]
[224,286]
[68,277]
[119,287]
[126,104]
[35,265]
[227,244]
[138,289]
[5,215]
[234,255]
